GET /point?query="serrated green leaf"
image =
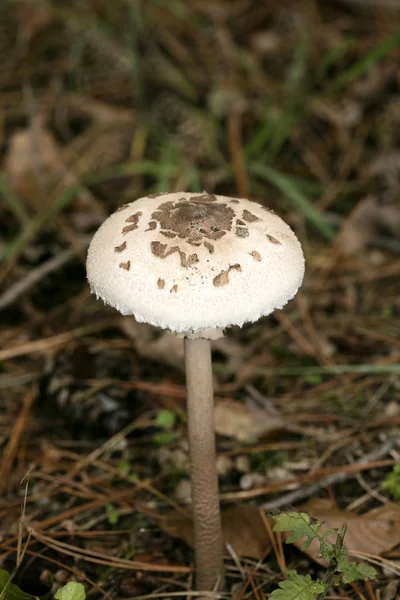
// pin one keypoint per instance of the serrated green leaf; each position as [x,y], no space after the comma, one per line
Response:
[352,571]
[294,194]
[165,419]
[10,591]
[298,587]
[287,521]
[303,528]
[71,591]
[300,526]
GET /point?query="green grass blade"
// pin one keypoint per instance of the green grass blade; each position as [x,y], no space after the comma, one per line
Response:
[28,233]
[14,201]
[169,162]
[335,54]
[364,64]
[291,191]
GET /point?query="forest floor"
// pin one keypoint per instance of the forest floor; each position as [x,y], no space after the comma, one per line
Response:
[293,104]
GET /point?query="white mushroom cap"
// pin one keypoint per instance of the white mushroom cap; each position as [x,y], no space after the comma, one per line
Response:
[187,262]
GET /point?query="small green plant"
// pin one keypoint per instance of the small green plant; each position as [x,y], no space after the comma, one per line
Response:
[298,587]
[340,569]
[124,467]
[163,437]
[267,459]
[71,591]
[112,514]
[10,591]
[165,420]
[391,483]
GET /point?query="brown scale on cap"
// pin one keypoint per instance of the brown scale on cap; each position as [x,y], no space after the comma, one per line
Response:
[256,255]
[209,247]
[161,251]
[223,277]
[152,225]
[195,220]
[234,201]
[204,198]
[173,289]
[273,239]
[134,220]
[242,232]
[249,217]
[125,265]
[241,229]
[122,207]
[161,284]
[120,248]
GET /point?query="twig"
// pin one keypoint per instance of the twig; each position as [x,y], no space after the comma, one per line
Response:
[45,344]
[313,489]
[15,435]
[382,4]
[14,380]
[378,368]
[333,563]
[64,566]
[187,594]
[296,482]
[104,559]
[35,275]
[38,273]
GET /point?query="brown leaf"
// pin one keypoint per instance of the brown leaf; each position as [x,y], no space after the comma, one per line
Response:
[33,164]
[101,145]
[243,528]
[32,16]
[150,343]
[390,590]
[387,167]
[245,423]
[167,347]
[364,224]
[375,532]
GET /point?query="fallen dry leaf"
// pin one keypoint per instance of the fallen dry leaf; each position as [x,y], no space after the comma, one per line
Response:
[387,167]
[390,591]
[375,532]
[150,343]
[245,422]
[368,219]
[242,527]
[34,165]
[167,347]
[101,145]
[32,16]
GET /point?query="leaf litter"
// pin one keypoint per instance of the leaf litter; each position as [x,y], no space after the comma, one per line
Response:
[242,528]
[374,532]
[99,107]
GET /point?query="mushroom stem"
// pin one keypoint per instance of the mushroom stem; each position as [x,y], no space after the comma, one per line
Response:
[205,497]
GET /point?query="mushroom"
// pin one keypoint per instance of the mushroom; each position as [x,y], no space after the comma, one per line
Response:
[195,264]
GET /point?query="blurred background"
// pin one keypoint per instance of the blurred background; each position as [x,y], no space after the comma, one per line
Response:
[295,104]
